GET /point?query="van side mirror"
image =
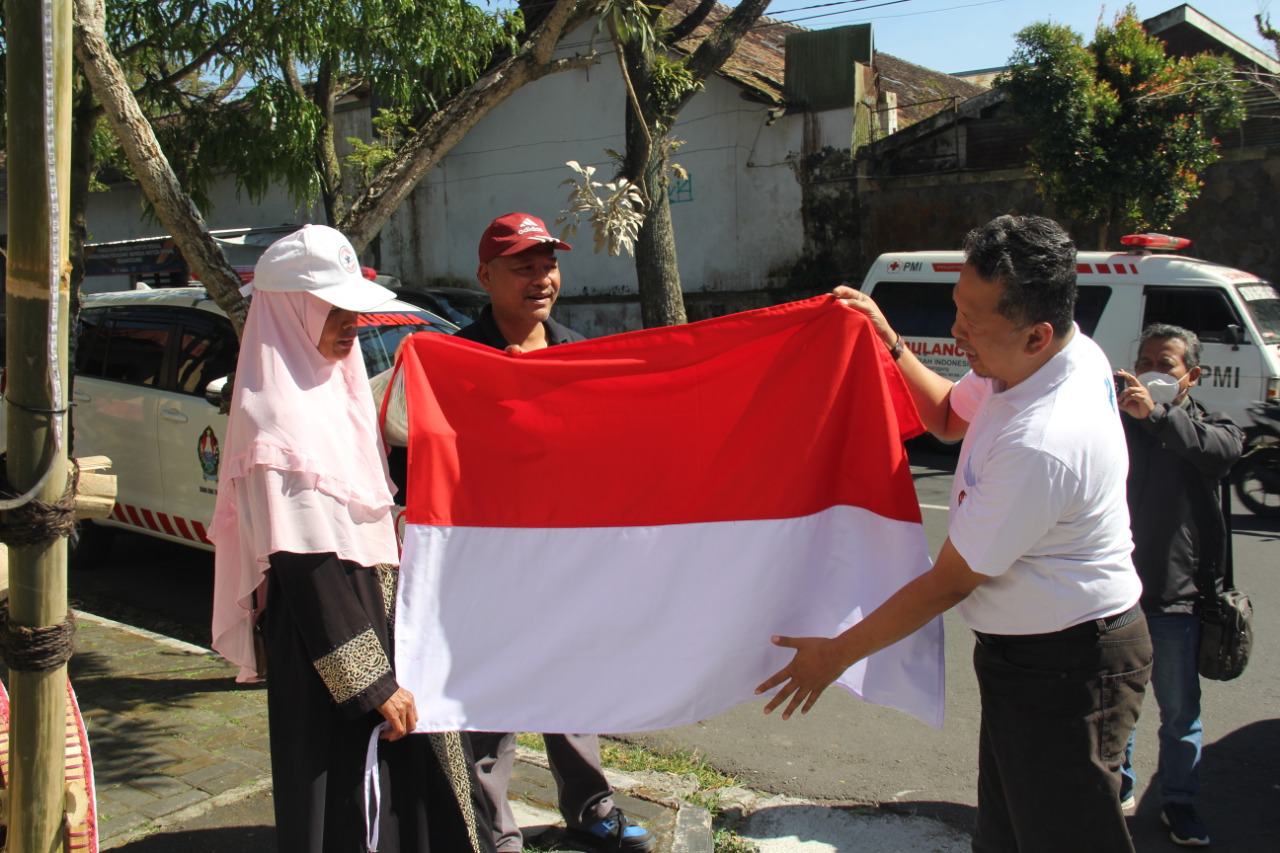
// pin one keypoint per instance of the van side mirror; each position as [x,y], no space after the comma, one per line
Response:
[1234,336]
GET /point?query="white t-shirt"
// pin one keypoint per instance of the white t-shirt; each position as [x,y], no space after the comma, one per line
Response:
[1038,501]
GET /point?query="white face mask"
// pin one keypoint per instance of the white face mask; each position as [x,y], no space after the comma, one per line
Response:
[1163,387]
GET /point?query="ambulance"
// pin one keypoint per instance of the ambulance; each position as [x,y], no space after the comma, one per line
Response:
[1235,313]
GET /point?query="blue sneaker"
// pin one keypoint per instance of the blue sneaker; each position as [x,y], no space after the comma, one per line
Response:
[615,833]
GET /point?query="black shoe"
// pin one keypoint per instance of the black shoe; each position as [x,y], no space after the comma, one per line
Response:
[616,833]
[1185,826]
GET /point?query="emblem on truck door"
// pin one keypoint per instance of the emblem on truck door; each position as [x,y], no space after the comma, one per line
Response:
[209,454]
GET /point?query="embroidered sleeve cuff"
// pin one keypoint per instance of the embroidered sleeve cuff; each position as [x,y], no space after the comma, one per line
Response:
[357,670]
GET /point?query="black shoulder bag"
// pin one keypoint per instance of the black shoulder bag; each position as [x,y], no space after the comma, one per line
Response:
[1226,614]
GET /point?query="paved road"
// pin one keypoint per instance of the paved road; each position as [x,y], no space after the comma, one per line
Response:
[845,750]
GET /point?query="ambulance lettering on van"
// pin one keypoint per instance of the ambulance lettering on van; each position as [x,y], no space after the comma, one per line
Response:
[1236,315]
[1220,377]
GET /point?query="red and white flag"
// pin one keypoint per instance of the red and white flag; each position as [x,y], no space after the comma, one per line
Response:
[603,536]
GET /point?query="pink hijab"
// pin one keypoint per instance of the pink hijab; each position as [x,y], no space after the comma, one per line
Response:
[303,469]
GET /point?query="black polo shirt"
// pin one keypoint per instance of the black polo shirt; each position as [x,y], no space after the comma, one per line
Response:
[485,331]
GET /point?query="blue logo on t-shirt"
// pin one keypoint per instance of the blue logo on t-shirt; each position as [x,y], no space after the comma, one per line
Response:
[1111,393]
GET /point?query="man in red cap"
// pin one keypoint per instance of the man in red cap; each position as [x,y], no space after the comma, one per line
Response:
[518,268]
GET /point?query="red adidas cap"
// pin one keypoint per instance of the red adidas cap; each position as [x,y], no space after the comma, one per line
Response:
[513,233]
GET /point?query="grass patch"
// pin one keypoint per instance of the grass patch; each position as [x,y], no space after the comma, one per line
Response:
[629,758]
[681,762]
[724,841]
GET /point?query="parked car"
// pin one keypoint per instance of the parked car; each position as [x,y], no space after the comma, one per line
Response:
[458,305]
[150,367]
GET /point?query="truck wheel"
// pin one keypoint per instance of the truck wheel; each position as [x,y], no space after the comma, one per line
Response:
[1257,483]
[88,545]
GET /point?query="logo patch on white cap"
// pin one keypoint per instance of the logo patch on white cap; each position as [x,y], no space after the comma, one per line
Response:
[347,259]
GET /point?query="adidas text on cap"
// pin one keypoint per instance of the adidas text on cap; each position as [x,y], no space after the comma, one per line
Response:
[317,259]
[513,233]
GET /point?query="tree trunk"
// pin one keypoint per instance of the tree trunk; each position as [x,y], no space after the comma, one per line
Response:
[172,205]
[657,272]
[335,203]
[84,119]
[35,795]
[443,130]
[657,269]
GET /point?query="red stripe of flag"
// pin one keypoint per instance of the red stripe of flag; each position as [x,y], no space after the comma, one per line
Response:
[776,413]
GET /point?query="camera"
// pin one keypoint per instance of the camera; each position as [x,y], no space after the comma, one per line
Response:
[1120,382]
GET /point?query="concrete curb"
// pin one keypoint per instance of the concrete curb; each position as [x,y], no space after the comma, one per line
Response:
[693,830]
[160,639]
[180,817]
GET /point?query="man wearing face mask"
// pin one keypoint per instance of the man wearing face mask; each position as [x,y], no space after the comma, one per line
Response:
[1178,456]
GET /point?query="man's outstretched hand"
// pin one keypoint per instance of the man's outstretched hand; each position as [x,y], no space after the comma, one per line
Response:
[816,664]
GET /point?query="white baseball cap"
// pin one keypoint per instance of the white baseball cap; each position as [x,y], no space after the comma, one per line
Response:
[319,260]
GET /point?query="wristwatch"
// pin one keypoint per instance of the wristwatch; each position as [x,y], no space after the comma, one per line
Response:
[897,348]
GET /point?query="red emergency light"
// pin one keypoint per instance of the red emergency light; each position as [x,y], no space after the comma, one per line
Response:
[369,273]
[1155,241]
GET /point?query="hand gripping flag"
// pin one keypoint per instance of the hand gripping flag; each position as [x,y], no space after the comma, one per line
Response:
[603,536]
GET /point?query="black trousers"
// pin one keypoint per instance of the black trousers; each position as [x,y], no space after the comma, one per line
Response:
[1057,710]
[584,792]
[318,752]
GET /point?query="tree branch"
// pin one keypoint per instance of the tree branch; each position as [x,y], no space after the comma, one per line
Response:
[690,23]
[172,205]
[443,130]
[716,48]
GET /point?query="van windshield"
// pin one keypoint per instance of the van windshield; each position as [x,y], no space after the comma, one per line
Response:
[1262,301]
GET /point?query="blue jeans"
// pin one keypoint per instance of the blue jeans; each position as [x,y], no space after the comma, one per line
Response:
[1175,640]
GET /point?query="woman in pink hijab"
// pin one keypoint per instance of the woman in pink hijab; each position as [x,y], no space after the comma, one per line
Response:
[304,532]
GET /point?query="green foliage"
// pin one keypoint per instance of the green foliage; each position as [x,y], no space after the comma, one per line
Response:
[230,86]
[632,22]
[1122,131]
[724,841]
[669,81]
[390,127]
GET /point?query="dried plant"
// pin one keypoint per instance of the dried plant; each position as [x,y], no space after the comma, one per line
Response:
[615,216]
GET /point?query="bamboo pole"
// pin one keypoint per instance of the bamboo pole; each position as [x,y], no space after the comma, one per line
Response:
[37,573]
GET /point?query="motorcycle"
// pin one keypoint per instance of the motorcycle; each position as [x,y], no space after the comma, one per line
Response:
[1257,474]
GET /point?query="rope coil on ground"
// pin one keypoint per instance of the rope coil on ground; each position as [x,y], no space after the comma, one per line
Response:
[37,521]
[36,649]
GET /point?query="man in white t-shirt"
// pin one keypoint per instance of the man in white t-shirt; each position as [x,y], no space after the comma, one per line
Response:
[1037,557]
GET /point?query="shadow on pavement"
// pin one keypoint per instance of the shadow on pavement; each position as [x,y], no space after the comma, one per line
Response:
[955,815]
[1236,801]
[233,839]
[1248,524]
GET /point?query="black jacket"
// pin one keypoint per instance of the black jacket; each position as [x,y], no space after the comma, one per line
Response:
[485,331]
[1178,458]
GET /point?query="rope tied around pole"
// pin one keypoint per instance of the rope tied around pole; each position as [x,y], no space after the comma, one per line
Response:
[37,521]
[36,649]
